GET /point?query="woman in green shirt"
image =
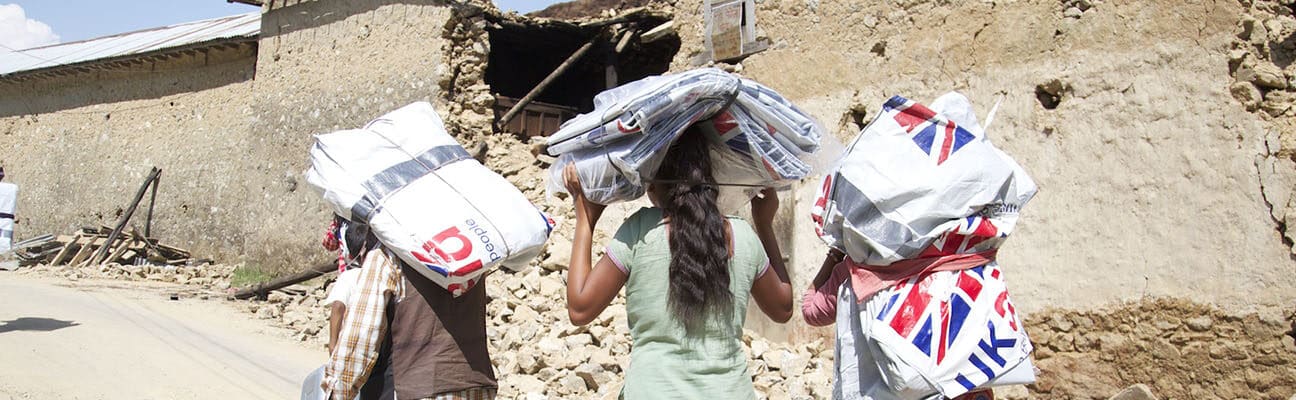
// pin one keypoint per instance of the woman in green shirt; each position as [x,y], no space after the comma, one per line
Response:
[688,272]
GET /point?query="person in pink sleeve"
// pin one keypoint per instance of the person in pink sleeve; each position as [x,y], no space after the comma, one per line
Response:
[832,300]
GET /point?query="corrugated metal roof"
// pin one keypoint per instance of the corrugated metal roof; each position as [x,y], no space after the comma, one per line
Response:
[125,44]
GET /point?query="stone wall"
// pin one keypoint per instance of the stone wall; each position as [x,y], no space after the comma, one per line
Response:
[80,146]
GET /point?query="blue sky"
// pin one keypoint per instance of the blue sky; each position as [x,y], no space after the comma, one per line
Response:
[40,22]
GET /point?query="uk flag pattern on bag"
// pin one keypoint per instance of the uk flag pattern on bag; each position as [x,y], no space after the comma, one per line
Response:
[914,175]
[958,329]
[923,182]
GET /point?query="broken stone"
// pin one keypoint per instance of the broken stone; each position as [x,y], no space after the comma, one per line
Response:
[523,314]
[551,346]
[579,340]
[1135,392]
[1246,93]
[1072,12]
[1248,27]
[572,385]
[1277,102]
[1268,75]
[1060,324]
[529,384]
[1166,323]
[551,287]
[527,363]
[1199,324]
[591,374]
[266,313]
[759,347]
[277,297]
[603,358]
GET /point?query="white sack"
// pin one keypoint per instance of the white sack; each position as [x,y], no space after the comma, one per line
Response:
[426,199]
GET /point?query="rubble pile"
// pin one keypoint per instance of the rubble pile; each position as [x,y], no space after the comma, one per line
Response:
[90,247]
[212,277]
[1261,58]
[299,308]
[538,353]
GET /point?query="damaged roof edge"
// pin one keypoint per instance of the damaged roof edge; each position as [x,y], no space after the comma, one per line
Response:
[583,24]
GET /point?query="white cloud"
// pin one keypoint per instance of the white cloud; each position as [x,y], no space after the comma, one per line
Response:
[19,32]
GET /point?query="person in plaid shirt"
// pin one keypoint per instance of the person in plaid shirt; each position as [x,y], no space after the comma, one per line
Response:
[406,337]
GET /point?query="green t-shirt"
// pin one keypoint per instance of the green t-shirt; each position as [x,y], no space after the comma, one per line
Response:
[664,363]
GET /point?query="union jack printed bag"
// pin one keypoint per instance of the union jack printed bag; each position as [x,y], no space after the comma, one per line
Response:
[952,330]
[426,198]
[915,174]
[924,182]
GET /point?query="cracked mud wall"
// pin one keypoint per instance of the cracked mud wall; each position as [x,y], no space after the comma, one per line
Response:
[232,136]
[80,146]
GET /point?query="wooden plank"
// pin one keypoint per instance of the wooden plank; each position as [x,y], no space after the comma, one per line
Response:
[67,249]
[625,40]
[125,244]
[656,33]
[175,251]
[126,216]
[83,253]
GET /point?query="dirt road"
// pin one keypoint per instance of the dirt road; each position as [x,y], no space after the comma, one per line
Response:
[94,339]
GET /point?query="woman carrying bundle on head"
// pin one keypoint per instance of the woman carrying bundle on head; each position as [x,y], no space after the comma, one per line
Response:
[688,271]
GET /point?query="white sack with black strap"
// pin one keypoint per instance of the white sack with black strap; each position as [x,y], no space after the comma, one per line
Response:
[426,198]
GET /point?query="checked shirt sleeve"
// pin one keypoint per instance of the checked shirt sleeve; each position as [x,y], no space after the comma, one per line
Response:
[363,327]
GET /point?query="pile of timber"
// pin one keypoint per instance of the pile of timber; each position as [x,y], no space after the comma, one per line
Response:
[92,246]
[104,245]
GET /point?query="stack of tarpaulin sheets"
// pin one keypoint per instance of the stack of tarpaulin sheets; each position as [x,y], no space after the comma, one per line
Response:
[761,139]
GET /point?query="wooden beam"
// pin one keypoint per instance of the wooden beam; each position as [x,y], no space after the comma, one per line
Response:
[67,249]
[84,252]
[148,220]
[658,32]
[539,88]
[261,290]
[625,40]
[121,224]
[117,253]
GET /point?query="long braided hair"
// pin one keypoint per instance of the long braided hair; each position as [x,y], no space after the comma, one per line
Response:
[699,268]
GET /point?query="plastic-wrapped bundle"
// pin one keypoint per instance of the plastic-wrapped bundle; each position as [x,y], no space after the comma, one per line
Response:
[426,199]
[921,184]
[916,174]
[761,138]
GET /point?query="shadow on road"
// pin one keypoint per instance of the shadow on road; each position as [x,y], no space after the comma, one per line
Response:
[35,324]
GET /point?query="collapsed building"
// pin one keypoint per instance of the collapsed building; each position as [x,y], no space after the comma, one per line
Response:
[1162,173]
